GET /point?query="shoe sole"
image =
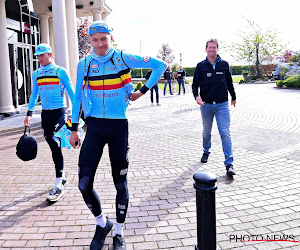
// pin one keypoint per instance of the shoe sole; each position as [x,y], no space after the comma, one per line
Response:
[203,161]
[55,199]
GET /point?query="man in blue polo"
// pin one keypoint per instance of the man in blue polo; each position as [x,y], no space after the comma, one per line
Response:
[49,82]
[213,78]
[104,88]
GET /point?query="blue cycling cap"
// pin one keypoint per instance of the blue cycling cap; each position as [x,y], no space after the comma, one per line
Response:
[43,48]
[99,27]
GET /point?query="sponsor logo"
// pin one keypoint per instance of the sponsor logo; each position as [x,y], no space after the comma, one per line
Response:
[146,59]
[208,74]
[124,171]
[90,206]
[120,206]
[118,59]
[56,126]
[95,71]
[219,73]
[112,68]
[106,95]
[93,66]
[46,88]
[62,86]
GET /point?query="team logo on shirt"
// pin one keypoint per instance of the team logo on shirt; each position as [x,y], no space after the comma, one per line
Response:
[146,59]
[93,66]
[62,86]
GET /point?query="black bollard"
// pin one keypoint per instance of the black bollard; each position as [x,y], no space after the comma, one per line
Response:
[205,185]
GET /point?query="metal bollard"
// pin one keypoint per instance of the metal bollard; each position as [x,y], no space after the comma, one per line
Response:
[205,185]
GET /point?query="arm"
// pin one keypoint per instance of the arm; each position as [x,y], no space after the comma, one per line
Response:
[196,82]
[196,85]
[66,80]
[157,66]
[230,86]
[75,138]
[32,100]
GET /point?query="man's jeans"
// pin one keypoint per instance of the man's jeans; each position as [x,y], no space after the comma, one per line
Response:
[181,83]
[221,112]
[168,82]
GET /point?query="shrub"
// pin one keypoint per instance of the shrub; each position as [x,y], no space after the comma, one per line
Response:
[279,83]
[138,86]
[292,82]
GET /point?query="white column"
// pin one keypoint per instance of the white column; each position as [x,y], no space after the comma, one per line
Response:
[103,16]
[72,39]
[6,101]
[51,33]
[44,28]
[60,36]
[97,15]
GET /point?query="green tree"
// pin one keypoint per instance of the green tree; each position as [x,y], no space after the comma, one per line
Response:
[295,58]
[260,44]
[166,54]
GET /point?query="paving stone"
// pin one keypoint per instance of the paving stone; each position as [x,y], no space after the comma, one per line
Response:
[261,198]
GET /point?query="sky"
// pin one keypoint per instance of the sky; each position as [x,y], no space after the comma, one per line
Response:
[186,25]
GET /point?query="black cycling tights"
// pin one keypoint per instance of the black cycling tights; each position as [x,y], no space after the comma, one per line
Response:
[52,121]
[114,132]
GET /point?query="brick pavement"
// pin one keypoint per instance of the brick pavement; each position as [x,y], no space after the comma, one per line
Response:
[165,152]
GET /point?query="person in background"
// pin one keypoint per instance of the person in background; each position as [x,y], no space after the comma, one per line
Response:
[49,82]
[213,78]
[168,76]
[155,87]
[180,79]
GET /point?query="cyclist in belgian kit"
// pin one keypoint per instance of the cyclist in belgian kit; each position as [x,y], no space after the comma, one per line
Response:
[50,82]
[104,81]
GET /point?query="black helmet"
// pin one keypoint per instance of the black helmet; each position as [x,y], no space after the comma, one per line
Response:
[27,146]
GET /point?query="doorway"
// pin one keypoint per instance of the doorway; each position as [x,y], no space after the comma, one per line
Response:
[21,66]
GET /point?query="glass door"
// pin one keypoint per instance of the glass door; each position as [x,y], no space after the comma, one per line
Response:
[20,65]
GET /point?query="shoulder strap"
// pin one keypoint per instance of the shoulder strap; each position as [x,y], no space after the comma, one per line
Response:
[123,59]
[57,71]
[86,78]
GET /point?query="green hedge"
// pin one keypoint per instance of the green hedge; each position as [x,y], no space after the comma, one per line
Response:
[292,82]
[236,70]
[136,73]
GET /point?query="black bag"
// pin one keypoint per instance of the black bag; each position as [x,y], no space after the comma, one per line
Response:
[27,146]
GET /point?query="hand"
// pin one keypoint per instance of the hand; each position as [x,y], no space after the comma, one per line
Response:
[166,81]
[135,95]
[199,100]
[233,103]
[27,121]
[75,139]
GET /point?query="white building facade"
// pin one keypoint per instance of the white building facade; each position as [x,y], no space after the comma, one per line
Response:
[26,23]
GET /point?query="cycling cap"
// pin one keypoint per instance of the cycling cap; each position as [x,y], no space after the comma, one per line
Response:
[99,27]
[43,48]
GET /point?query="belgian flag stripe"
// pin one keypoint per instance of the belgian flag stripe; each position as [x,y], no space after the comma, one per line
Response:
[107,87]
[45,77]
[47,83]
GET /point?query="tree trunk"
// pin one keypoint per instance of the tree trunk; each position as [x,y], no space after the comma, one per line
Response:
[257,62]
